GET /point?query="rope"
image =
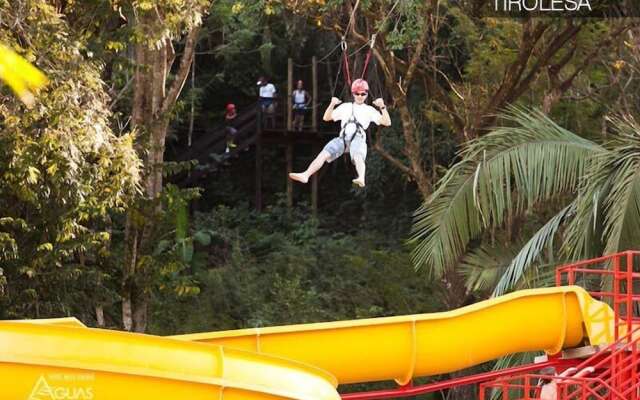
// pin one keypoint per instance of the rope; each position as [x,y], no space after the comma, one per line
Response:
[351,18]
[320,60]
[345,58]
[359,49]
[335,84]
[372,42]
[388,15]
[346,55]
[366,61]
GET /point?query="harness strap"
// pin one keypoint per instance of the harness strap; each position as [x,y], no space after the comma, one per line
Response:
[359,128]
[345,58]
[368,58]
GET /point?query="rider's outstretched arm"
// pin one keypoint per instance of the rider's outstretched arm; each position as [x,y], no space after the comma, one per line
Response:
[386,119]
[327,114]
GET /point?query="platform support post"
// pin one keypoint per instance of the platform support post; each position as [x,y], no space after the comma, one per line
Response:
[259,161]
[289,93]
[314,94]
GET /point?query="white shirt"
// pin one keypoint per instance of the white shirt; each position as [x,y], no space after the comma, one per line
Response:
[363,113]
[299,96]
[267,90]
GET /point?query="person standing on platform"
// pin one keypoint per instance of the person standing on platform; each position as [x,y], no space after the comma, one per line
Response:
[301,100]
[267,100]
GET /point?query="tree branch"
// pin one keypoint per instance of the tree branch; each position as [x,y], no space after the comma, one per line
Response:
[183,71]
[413,64]
[559,41]
[378,147]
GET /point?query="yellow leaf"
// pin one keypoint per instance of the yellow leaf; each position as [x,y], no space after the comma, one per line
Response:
[115,46]
[23,78]
[53,168]
[45,247]
[33,174]
[145,5]
[237,8]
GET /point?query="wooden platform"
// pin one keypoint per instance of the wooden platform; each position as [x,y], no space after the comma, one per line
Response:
[287,137]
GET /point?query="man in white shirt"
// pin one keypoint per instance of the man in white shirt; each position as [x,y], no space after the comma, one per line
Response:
[267,96]
[355,119]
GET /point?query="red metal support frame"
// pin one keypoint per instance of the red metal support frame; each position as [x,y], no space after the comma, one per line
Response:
[617,366]
[406,391]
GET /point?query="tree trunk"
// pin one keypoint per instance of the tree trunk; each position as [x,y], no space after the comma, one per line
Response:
[152,103]
[412,148]
[100,316]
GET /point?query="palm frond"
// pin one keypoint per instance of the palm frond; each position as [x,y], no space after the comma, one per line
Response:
[501,174]
[622,204]
[608,214]
[483,267]
[532,250]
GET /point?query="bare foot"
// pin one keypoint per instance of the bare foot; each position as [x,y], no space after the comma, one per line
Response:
[358,182]
[300,177]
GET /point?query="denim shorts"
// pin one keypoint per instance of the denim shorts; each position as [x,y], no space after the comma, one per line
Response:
[266,101]
[357,147]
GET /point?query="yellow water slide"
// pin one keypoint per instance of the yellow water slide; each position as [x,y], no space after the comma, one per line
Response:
[64,360]
[404,347]
[69,362]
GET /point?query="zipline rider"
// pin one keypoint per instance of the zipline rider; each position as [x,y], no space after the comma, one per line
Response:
[355,118]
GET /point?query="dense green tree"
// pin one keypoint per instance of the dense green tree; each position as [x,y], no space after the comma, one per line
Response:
[279,267]
[457,66]
[514,172]
[62,169]
[154,25]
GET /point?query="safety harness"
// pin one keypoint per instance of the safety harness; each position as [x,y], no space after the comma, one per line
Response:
[359,129]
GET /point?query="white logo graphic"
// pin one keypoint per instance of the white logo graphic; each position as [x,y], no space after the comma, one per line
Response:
[44,391]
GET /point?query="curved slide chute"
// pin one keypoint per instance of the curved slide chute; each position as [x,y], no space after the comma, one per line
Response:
[61,359]
[404,347]
[41,361]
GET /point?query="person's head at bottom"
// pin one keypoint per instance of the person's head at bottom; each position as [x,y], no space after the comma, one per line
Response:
[360,91]
[230,110]
[549,390]
[299,84]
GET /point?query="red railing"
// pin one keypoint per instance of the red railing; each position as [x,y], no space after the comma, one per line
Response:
[415,390]
[614,377]
[612,279]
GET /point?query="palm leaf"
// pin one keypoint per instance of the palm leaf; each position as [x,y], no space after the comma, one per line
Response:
[505,172]
[608,215]
[482,267]
[622,205]
[532,250]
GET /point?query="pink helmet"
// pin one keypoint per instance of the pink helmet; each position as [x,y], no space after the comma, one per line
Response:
[359,85]
[231,107]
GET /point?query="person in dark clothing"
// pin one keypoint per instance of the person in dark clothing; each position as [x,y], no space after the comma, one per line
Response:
[231,129]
